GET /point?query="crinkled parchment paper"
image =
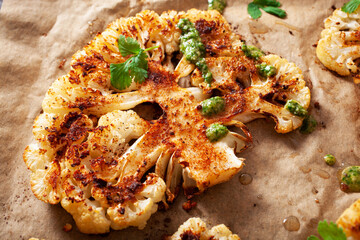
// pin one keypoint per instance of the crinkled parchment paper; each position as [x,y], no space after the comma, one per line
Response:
[36,37]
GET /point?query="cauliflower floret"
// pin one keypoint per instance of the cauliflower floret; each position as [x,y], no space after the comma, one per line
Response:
[88,217]
[137,213]
[53,133]
[200,174]
[129,203]
[339,49]
[350,220]
[195,228]
[93,191]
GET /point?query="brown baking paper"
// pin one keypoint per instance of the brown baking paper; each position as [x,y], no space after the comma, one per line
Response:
[38,37]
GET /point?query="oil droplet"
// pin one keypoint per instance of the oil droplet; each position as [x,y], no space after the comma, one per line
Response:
[321,173]
[320,150]
[258,28]
[291,223]
[294,154]
[317,200]
[260,196]
[305,169]
[245,178]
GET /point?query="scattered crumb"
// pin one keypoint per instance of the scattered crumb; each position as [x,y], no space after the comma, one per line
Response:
[67,227]
[188,205]
[291,33]
[317,105]
[62,63]
[314,45]
[333,7]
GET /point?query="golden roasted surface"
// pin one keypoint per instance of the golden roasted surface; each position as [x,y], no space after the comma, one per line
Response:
[91,152]
[339,48]
[350,220]
[195,228]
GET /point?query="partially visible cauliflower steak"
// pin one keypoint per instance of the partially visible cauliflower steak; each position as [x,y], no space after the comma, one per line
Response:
[107,166]
[350,221]
[195,228]
[339,46]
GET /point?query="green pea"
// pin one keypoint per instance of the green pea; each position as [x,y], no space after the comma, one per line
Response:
[295,108]
[309,125]
[218,5]
[252,51]
[350,177]
[329,159]
[216,131]
[266,70]
[212,106]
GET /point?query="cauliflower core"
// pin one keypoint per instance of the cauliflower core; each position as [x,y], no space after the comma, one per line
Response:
[91,151]
[195,228]
[339,46]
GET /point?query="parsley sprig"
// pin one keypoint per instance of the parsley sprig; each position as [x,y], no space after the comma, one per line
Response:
[329,231]
[269,6]
[134,68]
[351,6]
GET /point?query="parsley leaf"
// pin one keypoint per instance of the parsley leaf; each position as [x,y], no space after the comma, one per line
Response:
[351,6]
[134,68]
[312,237]
[128,46]
[254,10]
[269,6]
[273,3]
[329,231]
[275,11]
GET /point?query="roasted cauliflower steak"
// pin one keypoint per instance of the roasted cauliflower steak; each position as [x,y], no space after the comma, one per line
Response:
[109,167]
[339,46]
[195,228]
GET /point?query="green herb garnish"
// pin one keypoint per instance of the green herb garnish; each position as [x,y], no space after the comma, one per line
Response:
[212,106]
[329,159]
[252,51]
[193,48]
[269,6]
[351,6]
[295,108]
[216,131]
[266,70]
[309,125]
[329,231]
[218,5]
[133,69]
[350,176]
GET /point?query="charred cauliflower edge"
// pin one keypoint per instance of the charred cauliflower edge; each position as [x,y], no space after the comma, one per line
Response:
[92,153]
